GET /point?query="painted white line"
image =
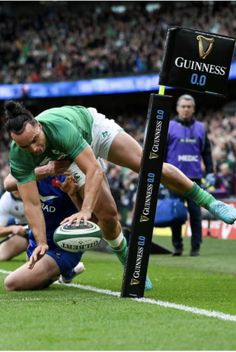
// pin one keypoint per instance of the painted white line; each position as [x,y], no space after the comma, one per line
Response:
[4,271]
[181,307]
[22,299]
[193,310]
[91,288]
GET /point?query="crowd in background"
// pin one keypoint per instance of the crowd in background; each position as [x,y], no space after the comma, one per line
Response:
[74,40]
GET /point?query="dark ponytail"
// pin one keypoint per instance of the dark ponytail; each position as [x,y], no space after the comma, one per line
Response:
[16,116]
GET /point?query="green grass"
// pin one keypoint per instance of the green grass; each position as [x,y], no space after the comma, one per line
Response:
[67,318]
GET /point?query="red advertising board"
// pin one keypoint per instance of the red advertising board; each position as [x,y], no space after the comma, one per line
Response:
[216,228]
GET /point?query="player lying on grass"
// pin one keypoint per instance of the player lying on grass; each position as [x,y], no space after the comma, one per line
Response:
[13,223]
[55,204]
[81,134]
[13,232]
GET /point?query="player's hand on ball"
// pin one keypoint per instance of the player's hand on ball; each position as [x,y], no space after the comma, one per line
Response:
[76,218]
[37,254]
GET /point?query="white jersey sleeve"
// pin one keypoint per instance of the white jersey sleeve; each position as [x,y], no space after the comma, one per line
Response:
[11,207]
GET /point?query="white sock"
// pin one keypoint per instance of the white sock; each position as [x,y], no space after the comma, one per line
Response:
[117,242]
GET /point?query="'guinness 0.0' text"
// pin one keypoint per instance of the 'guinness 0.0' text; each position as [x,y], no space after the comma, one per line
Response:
[181,62]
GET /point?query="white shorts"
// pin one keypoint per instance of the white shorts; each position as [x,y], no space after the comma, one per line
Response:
[103,133]
[79,175]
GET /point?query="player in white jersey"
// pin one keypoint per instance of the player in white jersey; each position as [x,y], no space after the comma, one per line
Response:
[13,226]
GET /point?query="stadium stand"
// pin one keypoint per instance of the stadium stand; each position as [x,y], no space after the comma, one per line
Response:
[44,43]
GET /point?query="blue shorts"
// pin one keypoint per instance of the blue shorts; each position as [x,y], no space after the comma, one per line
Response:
[65,260]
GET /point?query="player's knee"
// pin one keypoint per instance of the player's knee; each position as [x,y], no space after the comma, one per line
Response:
[4,256]
[109,215]
[108,220]
[10,283]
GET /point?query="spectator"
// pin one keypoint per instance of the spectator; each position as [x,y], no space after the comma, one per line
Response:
[115,181]
[225,181]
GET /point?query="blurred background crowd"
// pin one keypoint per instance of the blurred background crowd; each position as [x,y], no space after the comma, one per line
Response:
[78,40]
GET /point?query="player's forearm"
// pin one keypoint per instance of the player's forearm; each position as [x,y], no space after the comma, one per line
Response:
[42,172]
[92,188]
[53,168]
[36,222]
[5,230]
[33,211]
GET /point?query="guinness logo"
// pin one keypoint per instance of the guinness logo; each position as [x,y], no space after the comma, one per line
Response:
[143,218]
[134,282]
[153,155]
[205,46]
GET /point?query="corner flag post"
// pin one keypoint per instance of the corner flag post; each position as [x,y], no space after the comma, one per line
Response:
[147,193]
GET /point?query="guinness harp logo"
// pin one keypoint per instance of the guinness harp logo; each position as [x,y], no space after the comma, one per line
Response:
[143,218]
[134,282]
[205,46]
[153,155]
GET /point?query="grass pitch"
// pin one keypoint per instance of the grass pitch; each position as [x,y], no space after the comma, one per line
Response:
[77,318]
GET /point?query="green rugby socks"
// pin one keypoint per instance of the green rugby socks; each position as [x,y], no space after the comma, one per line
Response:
[119,247]
[199,196]
[220,210]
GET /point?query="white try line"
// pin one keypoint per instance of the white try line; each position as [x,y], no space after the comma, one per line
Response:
[181,307]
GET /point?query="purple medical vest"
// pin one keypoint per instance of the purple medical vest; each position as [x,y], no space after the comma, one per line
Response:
[184,147]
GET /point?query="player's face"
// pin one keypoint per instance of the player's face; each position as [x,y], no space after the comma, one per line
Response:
[31,139]
[185,109]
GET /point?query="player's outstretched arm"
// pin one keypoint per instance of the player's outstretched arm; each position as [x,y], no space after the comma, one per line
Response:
[89,165]
[33,212]
[53,168]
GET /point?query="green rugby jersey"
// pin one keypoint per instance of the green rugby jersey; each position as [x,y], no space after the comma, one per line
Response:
[68,131]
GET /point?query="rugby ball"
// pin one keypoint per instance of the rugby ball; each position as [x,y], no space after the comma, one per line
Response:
[75,238]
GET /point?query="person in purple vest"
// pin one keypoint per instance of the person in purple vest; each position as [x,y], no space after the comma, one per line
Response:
[187,146]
